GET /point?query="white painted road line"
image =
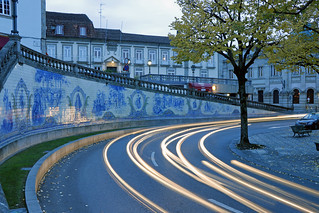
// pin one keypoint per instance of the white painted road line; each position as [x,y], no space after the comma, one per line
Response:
[224,206]
[275,127]
[153,159]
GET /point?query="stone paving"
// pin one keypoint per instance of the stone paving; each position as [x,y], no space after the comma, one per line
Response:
[295,156]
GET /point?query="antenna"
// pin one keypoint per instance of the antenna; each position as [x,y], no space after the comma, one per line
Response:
[101,4]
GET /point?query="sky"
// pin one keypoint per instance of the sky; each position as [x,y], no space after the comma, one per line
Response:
[148,17]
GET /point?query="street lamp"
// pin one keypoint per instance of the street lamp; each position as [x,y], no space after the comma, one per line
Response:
[193,71]
[149,63]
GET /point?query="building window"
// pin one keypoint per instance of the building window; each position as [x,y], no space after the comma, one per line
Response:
[231,74]
[203,73]
[97,67]
[210,62]
[83,31]
[125,54]
[67,53]
[152,56]
[59,30]
[276,97]
[273,71]
[174,62]
[171,72]
[51,50]
[139,56]
[97,54]
[250,73]
[5,7]
[297,72]
[310,96]
[83,50]
[260,72]
[138,71]
[295,98]
[165,57]
[310,71]
[261,96]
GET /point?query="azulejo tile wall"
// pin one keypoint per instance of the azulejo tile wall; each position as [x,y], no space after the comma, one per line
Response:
[34,99]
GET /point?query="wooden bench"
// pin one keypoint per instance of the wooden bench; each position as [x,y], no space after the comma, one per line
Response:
[300,130]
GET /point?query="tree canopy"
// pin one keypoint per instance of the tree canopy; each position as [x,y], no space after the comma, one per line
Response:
[300,47]
[239,30]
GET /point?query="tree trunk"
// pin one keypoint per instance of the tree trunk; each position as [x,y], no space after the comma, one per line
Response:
[244,140]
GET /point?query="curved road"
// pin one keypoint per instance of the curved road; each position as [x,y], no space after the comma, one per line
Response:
[185,168]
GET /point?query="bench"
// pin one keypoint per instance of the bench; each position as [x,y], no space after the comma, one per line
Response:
[300,130]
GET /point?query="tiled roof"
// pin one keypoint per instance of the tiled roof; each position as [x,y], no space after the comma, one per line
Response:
[117,35]
[72,22]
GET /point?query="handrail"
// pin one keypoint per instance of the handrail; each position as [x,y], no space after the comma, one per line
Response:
[74,69]
[8,51]
[186,79]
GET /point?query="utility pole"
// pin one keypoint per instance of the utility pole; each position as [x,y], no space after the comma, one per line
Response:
[101,4]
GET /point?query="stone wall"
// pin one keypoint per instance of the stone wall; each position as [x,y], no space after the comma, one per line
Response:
[35,101]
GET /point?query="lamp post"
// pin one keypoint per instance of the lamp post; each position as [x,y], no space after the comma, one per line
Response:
[149,63]
[193,71]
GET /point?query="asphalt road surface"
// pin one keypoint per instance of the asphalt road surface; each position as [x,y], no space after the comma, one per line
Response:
[185,168]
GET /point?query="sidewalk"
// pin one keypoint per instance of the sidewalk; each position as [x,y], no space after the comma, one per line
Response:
[296,156]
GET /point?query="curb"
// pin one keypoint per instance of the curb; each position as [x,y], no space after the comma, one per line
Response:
[42,166]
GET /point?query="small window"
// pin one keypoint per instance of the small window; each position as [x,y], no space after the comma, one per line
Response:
[5,7]
[295,97]
[152,56]
[138,71]
[51,50]
[276,97]
[83,31]
[67,53]
[250,73]
[59,30]
[310,96]
[139,56]
[83,53]
[170,71]
[164,57]
[261,96]
[97,54]
[231,74]
[203,73]
[260,71]
[125,54]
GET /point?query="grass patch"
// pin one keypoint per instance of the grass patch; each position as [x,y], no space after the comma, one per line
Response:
[13,179]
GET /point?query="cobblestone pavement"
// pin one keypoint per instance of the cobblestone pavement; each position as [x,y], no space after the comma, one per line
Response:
[296,156]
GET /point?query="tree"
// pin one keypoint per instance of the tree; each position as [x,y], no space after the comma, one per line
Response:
[238,30]
[300,48]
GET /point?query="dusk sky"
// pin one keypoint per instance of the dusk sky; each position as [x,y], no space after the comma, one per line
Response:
[149,17]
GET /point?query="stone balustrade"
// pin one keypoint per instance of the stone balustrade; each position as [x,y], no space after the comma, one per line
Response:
[81,71]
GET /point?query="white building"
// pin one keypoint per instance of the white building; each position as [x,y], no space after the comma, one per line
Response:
[30,24]
[286,88]
[72,37]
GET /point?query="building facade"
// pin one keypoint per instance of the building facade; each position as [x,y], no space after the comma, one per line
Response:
[297,89]
[31,11]
[73,38]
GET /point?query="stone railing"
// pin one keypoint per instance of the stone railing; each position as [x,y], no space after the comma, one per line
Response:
[180,79]
[8,58]
[81,71]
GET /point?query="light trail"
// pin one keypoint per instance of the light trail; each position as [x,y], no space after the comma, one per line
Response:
[249,185]
[211,182]
[138,161]
[275,178]
[124,185]
[224,172]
